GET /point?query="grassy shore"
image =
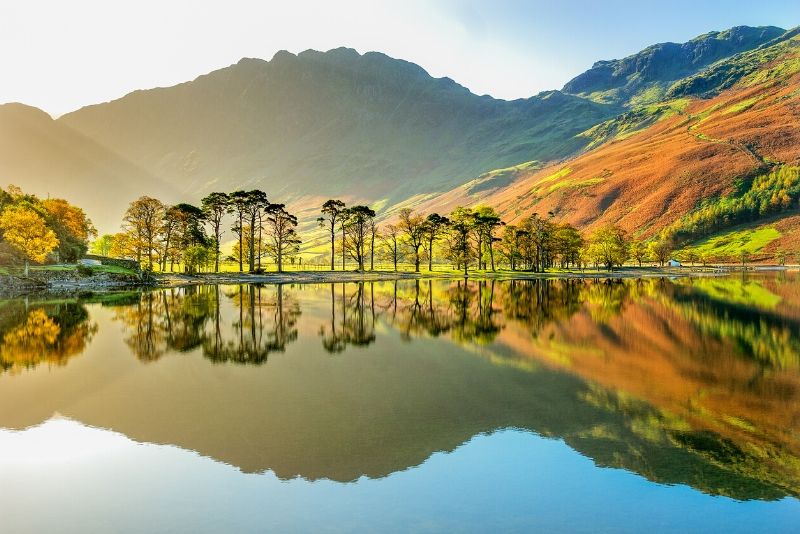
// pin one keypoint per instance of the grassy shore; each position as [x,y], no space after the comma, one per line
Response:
[106,277]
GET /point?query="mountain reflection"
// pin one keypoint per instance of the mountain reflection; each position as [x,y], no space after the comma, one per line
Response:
[693,381]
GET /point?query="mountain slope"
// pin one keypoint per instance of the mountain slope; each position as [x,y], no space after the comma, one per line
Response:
[48,158]
[703,154]
[332,123]
[646,76]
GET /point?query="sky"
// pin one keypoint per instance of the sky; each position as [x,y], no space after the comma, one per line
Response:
[61,55]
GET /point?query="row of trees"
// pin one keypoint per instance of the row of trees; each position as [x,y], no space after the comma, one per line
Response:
[155,234]
[468,237]
[38,230]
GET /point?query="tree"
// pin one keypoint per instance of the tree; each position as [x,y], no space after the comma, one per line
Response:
[357,227]
[638,251]
[486,220]
[567,243]
[237,207]
[71,226]
[780,256]
[509,245]
[744,256]
[332,213]
[460,251]
[609,246]
[661,250]
[435,226]
[255,201]
[280,226]
[390,237]
[413,227]
[190,232]
[103,245]
[215,206]
[142,222]
[170,252]
[373,234]
[27,232]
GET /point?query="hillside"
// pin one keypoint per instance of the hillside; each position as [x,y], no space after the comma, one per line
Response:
[48,158]
[335,123]
[679,164]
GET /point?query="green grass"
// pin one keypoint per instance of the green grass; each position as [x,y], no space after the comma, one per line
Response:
[734,242]
[109,269]
[561,173]
[744,105]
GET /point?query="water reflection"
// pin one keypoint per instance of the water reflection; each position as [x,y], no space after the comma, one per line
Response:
[692,381]
[34,333]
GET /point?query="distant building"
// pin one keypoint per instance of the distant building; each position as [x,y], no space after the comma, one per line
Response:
[674,263]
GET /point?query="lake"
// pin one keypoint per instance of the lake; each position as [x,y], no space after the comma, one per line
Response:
[435,406]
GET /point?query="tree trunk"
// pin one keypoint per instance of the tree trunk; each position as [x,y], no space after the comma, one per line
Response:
[241,243]
[430,254]
[333,246]
[372,253]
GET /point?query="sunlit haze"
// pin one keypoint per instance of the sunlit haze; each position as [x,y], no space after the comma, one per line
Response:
[63,55]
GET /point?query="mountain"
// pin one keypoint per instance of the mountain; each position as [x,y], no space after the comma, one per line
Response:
[721,153]
[645,77]
[661,132]
[48,158]
[334,123]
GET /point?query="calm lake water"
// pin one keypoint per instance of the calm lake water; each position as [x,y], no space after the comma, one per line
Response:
[480,406]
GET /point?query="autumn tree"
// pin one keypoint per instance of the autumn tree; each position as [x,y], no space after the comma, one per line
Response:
[27,232]
[142,222]
[280,227]
[215,206]
[333,211]
[413,227]
[71,226]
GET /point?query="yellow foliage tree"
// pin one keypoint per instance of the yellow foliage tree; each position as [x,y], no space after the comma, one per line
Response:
[26,231]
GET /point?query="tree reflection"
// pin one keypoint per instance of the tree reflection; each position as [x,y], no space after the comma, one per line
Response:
[184,319]
[42,333]
[352,320]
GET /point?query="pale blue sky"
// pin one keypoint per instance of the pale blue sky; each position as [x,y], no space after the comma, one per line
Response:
[62,55]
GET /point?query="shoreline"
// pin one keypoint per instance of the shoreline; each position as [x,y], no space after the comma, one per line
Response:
[69,282]
[171,280]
